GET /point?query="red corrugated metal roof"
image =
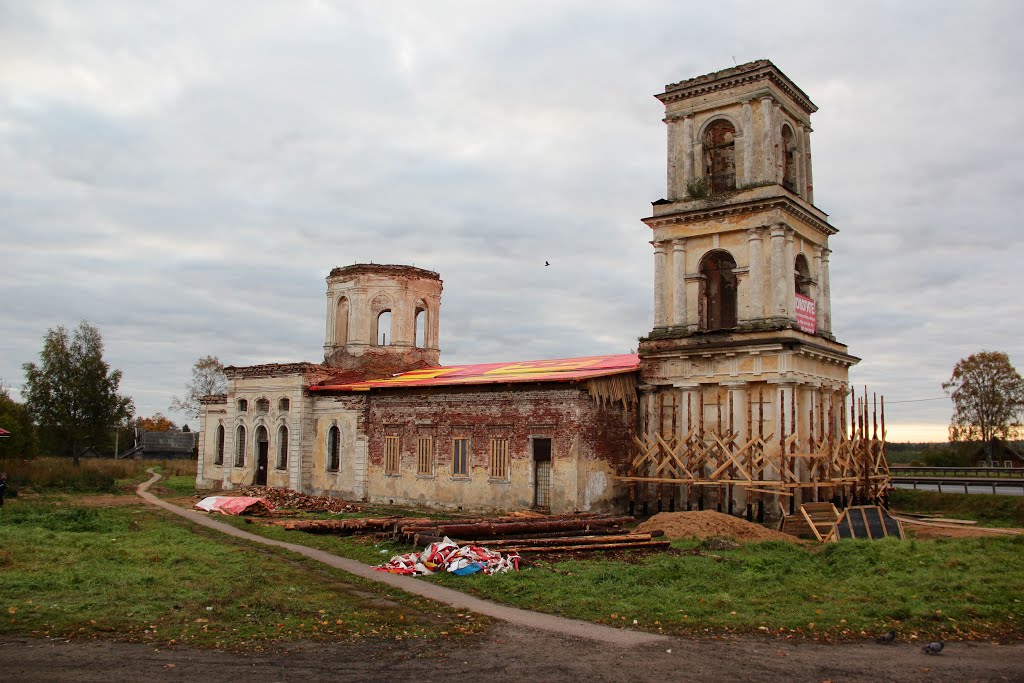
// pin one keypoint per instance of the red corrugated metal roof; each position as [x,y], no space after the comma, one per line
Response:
[555,370]
[4,432]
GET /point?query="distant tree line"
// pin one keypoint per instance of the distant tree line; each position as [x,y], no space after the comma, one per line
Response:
[71,400]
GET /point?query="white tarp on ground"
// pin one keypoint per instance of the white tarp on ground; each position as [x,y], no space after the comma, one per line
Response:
[233,505]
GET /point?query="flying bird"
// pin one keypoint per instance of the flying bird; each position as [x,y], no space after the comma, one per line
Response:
[886,638]
[546,264]
[933,648]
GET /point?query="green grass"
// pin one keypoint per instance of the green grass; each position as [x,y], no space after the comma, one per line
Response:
[984,508]
[963,588]
[969,588]
[138,574]
[366,548]
[179,486]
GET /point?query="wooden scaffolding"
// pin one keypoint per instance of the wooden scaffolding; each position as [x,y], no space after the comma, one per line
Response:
[832,456]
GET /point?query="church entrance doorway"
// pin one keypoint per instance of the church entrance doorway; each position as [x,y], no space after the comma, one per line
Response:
[541,472]
[262,456]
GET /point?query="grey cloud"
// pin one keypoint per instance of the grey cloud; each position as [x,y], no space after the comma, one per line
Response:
[186,174]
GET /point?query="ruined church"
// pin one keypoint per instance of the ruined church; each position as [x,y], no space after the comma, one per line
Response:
[738,398]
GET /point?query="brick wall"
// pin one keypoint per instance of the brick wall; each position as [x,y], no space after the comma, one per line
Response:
[589,443]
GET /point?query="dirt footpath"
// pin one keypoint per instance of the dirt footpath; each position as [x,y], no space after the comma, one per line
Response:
[515,653]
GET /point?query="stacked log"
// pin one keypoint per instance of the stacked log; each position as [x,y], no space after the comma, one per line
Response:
[520,533]
[576,533]
[568,544]
[478,531]
[343,527]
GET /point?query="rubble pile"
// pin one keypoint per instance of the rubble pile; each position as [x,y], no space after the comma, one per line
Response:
[292,500]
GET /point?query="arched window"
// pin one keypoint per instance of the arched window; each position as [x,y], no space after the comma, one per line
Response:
[243,405]
[240,446]
[262,405]
[802,276]
[718,291]
[333,449]
[341,322]
[383,333]
[788,159]
[219,458]
[421,326]
[720,156]
[282,448]
[284,405]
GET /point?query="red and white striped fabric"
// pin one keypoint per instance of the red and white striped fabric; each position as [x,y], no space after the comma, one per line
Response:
[448,556]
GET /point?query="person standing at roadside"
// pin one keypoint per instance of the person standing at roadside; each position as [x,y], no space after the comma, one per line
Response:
[3,487]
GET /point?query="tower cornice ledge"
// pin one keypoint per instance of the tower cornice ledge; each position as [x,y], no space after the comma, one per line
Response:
[707,210]
[747,343]
[750,72]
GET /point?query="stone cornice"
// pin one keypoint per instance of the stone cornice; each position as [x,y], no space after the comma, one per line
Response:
[709,213]
[728,78]
[385,269]
[272,370]
[797,342]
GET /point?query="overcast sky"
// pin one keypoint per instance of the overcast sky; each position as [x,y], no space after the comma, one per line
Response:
[183,175]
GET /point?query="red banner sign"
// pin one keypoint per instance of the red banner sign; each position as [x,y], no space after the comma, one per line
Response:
[806,318]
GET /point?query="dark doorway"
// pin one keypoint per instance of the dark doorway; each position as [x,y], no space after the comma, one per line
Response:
[542,473]
[718,291]
[262,455]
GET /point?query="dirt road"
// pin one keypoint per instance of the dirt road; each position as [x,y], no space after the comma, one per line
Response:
[514,653]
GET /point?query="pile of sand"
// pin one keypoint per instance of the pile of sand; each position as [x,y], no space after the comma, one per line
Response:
[709,524]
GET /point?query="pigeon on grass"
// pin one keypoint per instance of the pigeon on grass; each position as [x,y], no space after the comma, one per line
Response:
[886,638]
[933,648]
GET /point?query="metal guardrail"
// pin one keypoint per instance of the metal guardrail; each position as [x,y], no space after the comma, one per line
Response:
[902,470]
[953,484]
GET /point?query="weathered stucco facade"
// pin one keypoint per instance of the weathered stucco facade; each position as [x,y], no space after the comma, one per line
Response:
[739,245]
[738,392]
[500,442]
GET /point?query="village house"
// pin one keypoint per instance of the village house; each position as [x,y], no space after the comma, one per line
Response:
[737,397]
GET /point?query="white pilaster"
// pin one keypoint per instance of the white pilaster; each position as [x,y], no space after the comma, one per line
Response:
[767,140]
[747,147]
[687,153]
[801,161]
[672,146]
[778,271]
[679,282]
[755,283]
[329,332]
[791,280]
[777,146]
[816,288]
[809,177]
[825,315]
[659,284]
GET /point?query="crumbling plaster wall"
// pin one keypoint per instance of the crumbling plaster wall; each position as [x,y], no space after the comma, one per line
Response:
[212,414]
[368,290]
[588,443]
[347,413]
[758,105]
[253,384]
[764,244]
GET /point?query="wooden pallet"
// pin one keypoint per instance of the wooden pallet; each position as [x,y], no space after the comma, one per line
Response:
[814,520]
